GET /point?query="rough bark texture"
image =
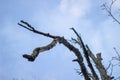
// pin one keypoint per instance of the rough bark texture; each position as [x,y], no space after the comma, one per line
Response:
[37,50]
[86,51]
[80,42]
[78,54]
[60,40]
[98,63]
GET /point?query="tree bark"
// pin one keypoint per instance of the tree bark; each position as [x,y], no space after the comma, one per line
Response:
[61,40]
[98,63]
[80,42]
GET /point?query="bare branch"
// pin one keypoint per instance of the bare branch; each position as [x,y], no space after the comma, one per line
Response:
[109,10]
[110,64]
[75,60]
[40,49]
[98,63]
[117,58]
[117,52]
[78,71]
[80,42]
[60,40]
[30,28]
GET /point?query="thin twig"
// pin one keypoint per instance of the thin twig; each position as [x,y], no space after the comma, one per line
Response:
[30,28]
[117,52]
[109,10]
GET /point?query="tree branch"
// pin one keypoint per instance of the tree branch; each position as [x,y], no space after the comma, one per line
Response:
[98,62]
[80,42]
[60,40]
[109,10]
[30,28]
[36,51]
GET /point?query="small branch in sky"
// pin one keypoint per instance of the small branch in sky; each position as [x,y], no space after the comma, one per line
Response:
[117,52]
[109,10]
[117,58]
[30,28]
[26,25]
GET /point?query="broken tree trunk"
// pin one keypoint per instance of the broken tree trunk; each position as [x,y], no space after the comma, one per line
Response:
[98,63]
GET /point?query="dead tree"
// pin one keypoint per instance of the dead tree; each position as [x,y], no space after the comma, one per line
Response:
[88,75]
[97,60]
[56,39]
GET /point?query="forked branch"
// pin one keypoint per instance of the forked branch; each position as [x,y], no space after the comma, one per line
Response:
[30,28]
[109,10]
[85,52]
[59,39]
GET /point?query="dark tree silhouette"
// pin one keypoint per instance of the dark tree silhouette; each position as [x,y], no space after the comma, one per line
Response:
[88,55]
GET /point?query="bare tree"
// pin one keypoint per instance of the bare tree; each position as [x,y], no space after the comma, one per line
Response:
[115,15]
[88,55]
[109,8]
[116,58]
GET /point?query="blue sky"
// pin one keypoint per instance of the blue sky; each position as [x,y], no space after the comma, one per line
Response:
[55,17]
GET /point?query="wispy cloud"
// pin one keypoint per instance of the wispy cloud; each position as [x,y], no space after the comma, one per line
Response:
[106,37]
[64,15]
[75,8]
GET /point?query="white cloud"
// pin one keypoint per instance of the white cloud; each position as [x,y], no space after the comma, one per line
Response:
[109,34]
[76,8]
[65,15]
[69,14]
[96,41]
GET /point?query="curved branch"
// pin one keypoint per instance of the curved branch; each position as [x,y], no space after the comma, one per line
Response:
[60,40]
[109,10]
[36,51]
